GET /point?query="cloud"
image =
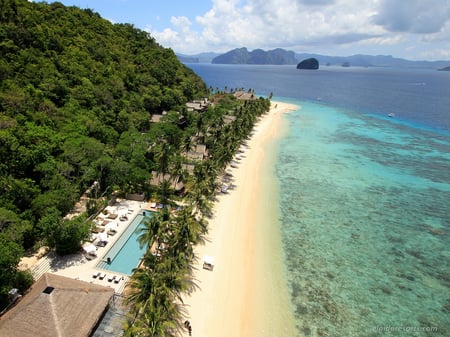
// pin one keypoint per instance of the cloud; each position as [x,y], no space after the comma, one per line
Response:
[315,2]
[307,24]
[413,16]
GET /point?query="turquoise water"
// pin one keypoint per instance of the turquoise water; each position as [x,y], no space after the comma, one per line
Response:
[126,253]
[365,199]
[365,219]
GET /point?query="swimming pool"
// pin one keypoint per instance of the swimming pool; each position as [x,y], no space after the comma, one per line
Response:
[125,253]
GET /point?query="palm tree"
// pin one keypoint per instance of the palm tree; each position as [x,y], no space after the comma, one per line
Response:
[153,311]
[149,232]
[163,156]
[174,275]
[165,191]
[187,144]
[154,229]
[187,232]
[141,285]
[199,201]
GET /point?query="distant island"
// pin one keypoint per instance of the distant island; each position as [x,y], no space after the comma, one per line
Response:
[258,56]
[445,69]
[281,56]
[310,64]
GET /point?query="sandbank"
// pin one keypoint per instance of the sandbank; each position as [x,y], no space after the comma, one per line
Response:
[246,294]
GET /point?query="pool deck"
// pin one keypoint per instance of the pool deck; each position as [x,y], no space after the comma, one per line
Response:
[76,266]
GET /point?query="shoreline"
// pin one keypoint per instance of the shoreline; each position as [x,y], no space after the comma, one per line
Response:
[246,294]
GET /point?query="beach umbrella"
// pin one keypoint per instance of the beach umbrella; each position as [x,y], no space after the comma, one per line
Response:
[102,237]
[111,225]
[89,248]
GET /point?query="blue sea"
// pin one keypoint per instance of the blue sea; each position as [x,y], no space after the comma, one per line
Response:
[364,197]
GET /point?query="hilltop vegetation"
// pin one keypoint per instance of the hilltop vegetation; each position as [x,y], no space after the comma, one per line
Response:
[77,96]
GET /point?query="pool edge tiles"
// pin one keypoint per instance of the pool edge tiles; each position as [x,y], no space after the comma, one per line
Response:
[125,249]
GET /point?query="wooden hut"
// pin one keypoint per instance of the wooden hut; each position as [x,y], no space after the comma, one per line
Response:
[57,306]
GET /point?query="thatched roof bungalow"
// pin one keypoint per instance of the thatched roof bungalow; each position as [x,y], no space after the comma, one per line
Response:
[57,306]
[189,168]
[198,105]
[244,95]
[228,119]
[175,181]
[200,153]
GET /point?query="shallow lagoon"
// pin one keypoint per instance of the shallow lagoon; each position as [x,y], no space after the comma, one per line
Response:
[365,220]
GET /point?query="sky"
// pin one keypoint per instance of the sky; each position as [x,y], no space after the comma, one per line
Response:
[410,29]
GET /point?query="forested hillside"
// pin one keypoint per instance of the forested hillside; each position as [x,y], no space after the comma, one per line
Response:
[76,97]
[258,56]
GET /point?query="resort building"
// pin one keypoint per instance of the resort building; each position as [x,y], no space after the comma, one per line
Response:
[175,181]
[244,95]
[156,118]
[198,105]
[57,306]
[228,119]
[199,153]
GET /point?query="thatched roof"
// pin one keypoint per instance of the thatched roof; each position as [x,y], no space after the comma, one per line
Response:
[189,168]
[197,105]
[227,119]
[244,95]
[199,153]
[175,181]
[57,306]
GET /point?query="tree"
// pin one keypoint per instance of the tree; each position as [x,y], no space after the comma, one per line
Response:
[187,232]
[63,235]
[149,233]
[15,228]
[10,254]
[163,154]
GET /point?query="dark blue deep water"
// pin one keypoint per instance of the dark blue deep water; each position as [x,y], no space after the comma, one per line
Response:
[364,198]
[416,96]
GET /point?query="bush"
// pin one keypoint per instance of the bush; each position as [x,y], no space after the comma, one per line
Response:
[23,281]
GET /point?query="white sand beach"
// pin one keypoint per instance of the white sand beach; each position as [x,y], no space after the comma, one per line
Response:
[246,294]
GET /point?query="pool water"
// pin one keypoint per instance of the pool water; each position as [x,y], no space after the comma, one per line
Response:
[125,253]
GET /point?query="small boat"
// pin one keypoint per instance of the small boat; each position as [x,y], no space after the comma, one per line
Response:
[391,115]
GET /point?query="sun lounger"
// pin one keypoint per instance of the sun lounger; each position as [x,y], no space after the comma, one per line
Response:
[111,278]
[95,275]
[117,279]
[102,276]
[111,232]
